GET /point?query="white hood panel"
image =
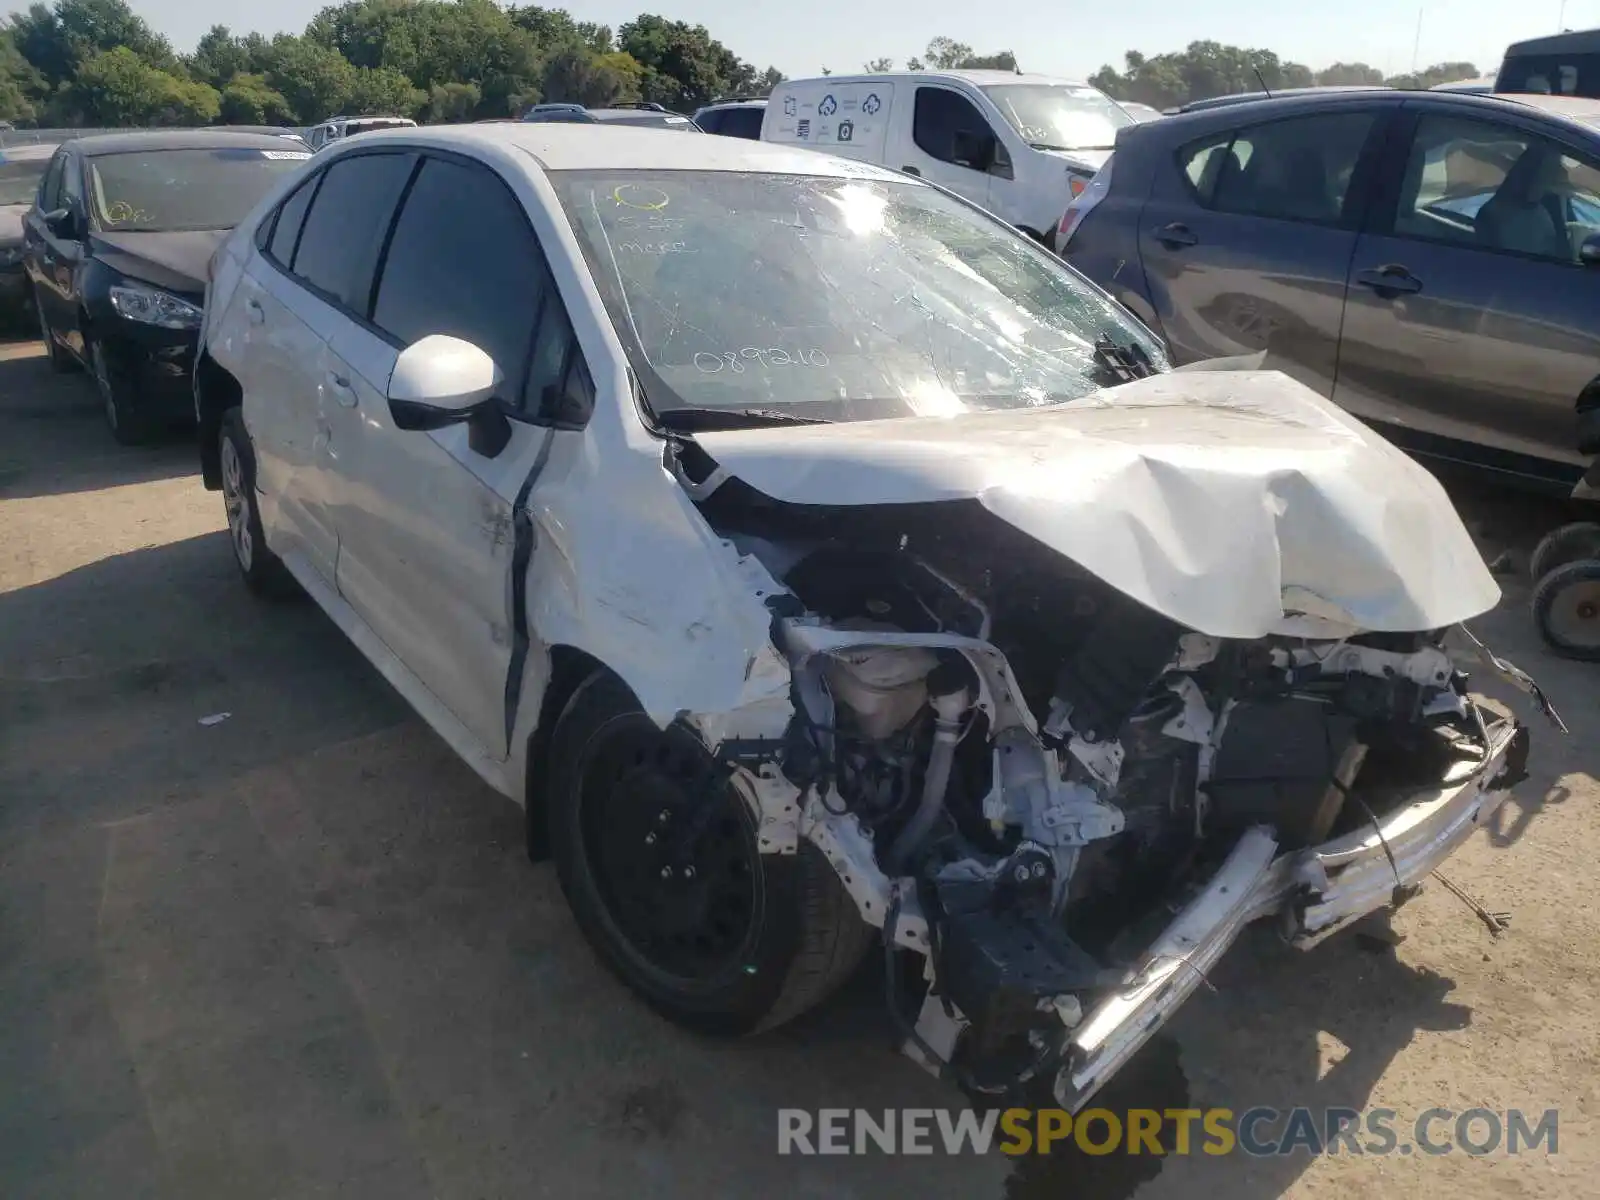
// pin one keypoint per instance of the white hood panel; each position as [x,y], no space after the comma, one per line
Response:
[1228,501]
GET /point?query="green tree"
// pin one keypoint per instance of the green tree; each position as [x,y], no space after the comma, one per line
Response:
[947,54]
[684,66]
[878,66]
[1342,74]
[59,41]
[1450,72]
[383,91]
[577,76]
[451,102]
[1201,70]
[20,83]
[248,100]
[315,80]
[117,87]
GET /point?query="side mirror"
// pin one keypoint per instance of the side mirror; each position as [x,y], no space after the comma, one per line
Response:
[1589,251]
[63,222]
[443,380]
[975,150]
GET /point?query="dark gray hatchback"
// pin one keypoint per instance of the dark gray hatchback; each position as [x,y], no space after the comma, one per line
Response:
[1430,261]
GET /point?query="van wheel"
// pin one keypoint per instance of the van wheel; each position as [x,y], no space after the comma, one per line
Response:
[657,855]
[263,571]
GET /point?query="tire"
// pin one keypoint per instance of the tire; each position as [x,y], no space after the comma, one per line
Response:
[61,361]
[119,397]
[734,942]
[1581,539]
[263,571]
[1566,608]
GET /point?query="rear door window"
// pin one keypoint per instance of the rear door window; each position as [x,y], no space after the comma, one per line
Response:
[344,231]
[1297,169]
[50,189]
[285,230]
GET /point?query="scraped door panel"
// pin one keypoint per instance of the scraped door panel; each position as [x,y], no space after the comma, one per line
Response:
[426,546]
[283,411]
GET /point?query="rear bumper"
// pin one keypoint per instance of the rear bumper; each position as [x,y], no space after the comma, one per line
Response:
[1313,893]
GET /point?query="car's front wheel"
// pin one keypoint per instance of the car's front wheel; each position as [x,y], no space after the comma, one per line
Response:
[263,571]
[119,397]
[658,857]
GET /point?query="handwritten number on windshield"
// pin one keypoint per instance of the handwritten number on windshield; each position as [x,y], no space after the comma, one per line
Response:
[711,364]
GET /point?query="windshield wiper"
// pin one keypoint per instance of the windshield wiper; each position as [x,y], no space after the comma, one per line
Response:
[697,420]
[1047,146]
[1123,363]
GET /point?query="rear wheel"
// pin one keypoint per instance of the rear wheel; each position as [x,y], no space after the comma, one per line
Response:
[263,571]
[658,857]
[1566,607]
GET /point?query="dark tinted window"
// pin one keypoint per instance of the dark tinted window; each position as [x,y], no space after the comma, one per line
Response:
[944,125]
[50,190]
[1297,170]
[291,216]
[1556,74]
[72,184]
[344,231]
[473,271]
[740,122]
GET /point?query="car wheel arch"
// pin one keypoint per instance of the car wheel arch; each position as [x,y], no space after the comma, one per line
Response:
[569,669]
[216,391]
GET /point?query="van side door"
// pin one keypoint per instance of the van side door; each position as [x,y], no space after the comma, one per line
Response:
[952,143]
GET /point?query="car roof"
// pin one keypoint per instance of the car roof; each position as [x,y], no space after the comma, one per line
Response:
[176,139]
[735,102]
[979,78]
[1570,40]
[566,146]
[1211,102]
[1576,111]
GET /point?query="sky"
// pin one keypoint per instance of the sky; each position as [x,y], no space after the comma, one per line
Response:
[803,36]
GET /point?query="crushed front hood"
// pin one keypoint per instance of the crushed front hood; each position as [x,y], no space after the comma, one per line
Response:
[1231,502]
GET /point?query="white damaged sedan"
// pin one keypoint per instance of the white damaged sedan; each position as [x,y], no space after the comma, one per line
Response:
[822,565]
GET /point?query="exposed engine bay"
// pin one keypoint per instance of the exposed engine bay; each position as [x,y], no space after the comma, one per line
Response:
[1024,776]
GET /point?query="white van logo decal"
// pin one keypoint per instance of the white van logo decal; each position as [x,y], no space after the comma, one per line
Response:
[789,103]
[829,106]
[871,104]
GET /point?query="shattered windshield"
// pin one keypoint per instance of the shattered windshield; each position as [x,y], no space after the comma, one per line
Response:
[836,298]
[1058,116]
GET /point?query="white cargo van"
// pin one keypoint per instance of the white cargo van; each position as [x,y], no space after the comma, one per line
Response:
[1020,145]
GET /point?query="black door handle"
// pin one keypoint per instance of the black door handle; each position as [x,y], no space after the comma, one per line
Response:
[1389,280]
[1176,235]
[911,171]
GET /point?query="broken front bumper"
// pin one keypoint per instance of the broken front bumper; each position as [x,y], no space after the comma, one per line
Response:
[1314,892]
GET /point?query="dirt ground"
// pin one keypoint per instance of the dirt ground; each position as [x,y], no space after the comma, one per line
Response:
[300,952]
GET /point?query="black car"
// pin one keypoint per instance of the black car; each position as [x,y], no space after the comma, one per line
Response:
[1430,261]
[116,249]
[734,116]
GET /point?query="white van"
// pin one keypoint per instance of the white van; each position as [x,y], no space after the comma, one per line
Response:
[1020,145]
